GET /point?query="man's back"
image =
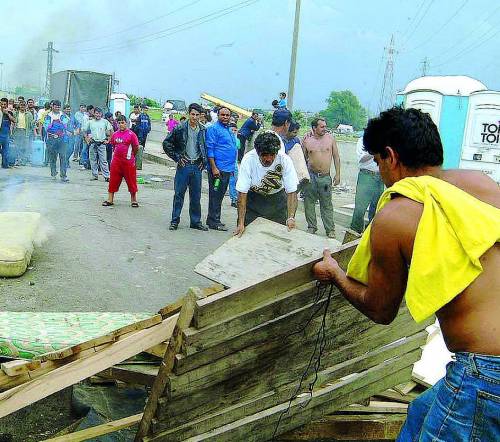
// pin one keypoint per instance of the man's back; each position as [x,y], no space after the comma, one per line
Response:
[470,321]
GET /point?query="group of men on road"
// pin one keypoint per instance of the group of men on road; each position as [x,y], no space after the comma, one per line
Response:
[265,181]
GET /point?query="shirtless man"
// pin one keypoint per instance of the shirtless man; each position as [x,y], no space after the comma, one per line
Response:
[465,405]
[319,149]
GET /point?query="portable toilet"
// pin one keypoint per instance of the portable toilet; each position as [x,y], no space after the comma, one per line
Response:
[119,102]
[446,100]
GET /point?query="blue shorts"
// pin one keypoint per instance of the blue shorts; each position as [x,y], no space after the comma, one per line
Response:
[463,406]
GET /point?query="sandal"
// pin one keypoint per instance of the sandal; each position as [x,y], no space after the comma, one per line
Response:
[107,204]
[135,204]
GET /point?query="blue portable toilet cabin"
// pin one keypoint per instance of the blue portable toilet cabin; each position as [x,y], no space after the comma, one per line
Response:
[119,102]
[446,100]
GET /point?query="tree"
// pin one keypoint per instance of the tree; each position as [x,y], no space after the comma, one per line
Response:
[147,101]
[343,107]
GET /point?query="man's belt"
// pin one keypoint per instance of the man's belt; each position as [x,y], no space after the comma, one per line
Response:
[98,142]
[318,174]
[55,136]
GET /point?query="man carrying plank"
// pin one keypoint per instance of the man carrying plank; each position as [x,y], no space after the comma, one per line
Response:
[435,240]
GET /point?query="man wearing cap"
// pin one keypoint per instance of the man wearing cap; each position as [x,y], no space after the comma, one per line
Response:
[222,153]
[319,150]
[267,184]
[282,118]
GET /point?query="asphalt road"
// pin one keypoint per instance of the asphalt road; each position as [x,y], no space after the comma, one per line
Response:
[104,259]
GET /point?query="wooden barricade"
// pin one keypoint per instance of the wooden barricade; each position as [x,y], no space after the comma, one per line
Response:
[233,366]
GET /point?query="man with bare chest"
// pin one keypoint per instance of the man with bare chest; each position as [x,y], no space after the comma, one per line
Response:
[435,241]
[319,150]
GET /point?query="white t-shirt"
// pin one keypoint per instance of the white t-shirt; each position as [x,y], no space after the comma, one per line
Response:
[365,159]
[252,175]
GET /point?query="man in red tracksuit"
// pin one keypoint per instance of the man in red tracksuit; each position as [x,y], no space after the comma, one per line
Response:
[126,145]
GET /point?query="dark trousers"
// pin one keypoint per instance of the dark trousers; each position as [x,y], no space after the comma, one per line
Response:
[272,207]
[241,151]
[215,197]
[186,177]
[55,147]
[4,149]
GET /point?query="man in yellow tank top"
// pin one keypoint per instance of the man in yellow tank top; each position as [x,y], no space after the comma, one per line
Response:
[434,239]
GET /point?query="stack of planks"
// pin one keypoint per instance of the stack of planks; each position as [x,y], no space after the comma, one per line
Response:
[236,358]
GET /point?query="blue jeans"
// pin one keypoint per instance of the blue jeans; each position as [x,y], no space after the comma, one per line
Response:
[4,145]
[368,191]
[215,197]
[463,406]
[186,177]
[55,147]
[84,155]
[233,193]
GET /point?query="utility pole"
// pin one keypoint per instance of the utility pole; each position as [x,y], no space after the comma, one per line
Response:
[387,93]
[293,61]
[50,59]
[425,66]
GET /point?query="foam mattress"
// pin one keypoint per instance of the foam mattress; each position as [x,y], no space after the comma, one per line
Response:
[19,231]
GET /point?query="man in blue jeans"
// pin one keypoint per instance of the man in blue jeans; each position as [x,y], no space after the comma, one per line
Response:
[8,119]
[222,154]
[435,239]
[368,189]
[186,146]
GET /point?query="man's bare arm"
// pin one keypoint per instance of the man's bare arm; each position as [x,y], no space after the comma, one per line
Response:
[242,210]
[291,203]
[336,162]
[387,273]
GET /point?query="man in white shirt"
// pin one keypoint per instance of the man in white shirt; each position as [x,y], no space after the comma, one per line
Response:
[368,189]
[267,184]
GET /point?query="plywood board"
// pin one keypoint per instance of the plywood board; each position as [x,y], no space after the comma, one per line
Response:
[266,247]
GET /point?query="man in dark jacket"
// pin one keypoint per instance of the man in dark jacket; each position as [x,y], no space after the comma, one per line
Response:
[141,128]
[186,146]
[246,131]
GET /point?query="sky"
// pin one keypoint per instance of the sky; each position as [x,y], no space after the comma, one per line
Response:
[240,50]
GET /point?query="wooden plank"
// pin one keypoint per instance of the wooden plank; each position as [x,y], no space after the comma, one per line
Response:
[280,351]
[201,339]
[110,337]
[395,396]
[200,418]
[265,248]
[375,407]
[132,374]
[19,366]
[281,325]
[157,350]
[198,292]
[99,430]
[79,369]
[174,344]
[260,424]
[235,301]
[405,387]
[349,427]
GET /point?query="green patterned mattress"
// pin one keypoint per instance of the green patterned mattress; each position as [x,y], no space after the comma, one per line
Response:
[30,334]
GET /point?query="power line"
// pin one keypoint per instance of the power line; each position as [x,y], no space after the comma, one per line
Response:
[387,92]
[413,19]
[125,30]
[419,22]
[469,49]
[164,32]
[377,78]
[433,36]
[465,37]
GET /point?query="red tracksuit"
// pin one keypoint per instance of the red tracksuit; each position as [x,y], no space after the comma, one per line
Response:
[121,166]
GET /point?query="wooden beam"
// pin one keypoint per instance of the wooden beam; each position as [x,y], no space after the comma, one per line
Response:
[132,374]
[349,427]
[237,300]
[19,367]
[99,430]
[174,344]
[75,371]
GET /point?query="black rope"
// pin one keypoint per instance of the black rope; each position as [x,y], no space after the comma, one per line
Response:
[319,347]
